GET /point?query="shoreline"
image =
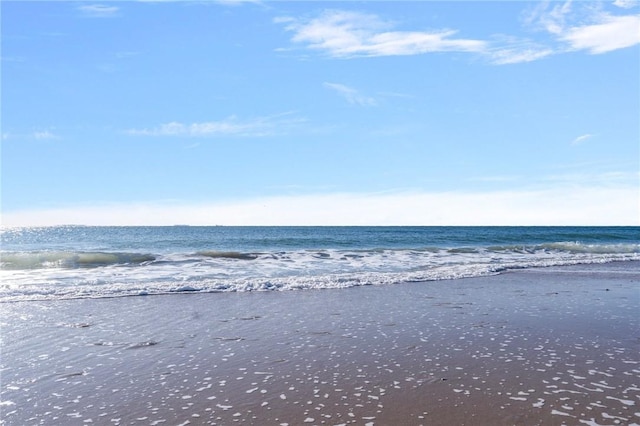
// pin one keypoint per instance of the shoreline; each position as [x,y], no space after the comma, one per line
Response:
[188,289]
[546,346]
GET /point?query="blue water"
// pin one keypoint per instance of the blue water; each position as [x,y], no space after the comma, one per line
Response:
[80,261]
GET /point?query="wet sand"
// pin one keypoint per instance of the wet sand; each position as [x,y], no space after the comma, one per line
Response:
[545,346]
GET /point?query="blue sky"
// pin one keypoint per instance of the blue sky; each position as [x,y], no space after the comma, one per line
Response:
[312,113]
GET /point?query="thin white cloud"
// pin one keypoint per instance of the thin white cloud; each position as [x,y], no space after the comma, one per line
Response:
[231,126]
[586,26]
[626,4]
[351,95]
[611,33]
[345,34]
[552,20]
[98,10]
[37,135]
[516,55]
[581,139]
[505,49]
[568,205]
[41,135]
[348,34]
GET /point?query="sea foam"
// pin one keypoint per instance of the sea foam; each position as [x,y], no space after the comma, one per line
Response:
[64,274]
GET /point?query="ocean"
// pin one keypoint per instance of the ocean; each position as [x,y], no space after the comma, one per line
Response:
[68,262]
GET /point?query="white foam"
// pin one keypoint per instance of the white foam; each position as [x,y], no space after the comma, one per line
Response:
[623,401]
[561,413]
[108,276]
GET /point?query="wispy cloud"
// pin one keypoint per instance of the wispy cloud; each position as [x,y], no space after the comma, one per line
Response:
[348,34]
[626,4]
[231,126]
[41,135]
[581,139]
[345,34]
[548,17]
[37,135]
[518,54]
[98,10]
[587,26]
[351,95]
[504,49]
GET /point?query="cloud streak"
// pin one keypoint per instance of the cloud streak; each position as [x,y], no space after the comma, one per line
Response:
[98,10]
[518,54]
[581,139]
[40,135]
[231,126]
[43,135]
[351,95]
[344,34]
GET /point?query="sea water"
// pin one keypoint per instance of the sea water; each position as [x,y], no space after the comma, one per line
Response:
[91,262]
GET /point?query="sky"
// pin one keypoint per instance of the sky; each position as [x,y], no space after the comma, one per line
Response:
[320,113]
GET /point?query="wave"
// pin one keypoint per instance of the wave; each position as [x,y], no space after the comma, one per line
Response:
[70,260]
[569,247]
[576,247]
[64,274]
[86,290]
[91,259]
[228,255]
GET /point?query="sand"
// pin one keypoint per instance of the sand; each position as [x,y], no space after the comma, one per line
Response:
[544,346]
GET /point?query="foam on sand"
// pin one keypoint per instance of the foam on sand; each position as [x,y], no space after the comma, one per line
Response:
[548,346]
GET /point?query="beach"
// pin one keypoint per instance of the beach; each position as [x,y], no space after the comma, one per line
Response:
[539,346]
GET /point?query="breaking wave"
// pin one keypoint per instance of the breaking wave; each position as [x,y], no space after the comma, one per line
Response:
[69,260]
[46,275]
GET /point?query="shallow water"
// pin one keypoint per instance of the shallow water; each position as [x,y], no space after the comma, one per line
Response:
[545,346]
[80,262]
